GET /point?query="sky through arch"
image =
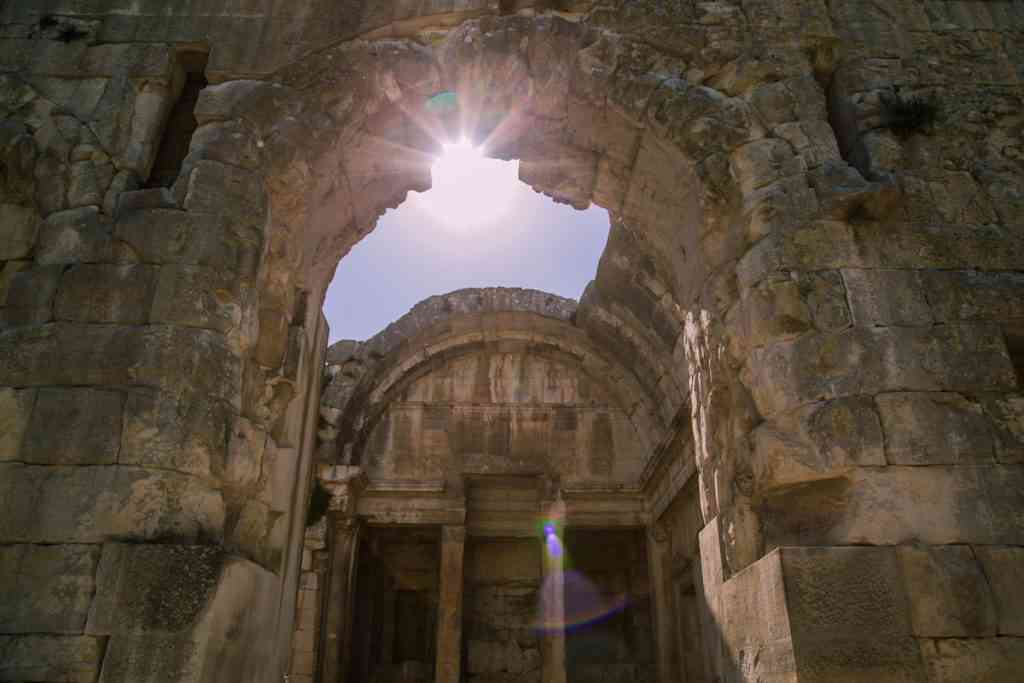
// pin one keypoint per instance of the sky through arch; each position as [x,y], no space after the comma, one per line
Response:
[478,226]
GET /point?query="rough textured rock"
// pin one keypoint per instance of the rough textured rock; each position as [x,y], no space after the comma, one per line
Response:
[807,318]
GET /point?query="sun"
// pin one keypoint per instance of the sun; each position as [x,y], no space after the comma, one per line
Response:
[468,189]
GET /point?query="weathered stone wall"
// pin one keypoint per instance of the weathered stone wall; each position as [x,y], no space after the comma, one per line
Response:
[504,412]
[833,303]
[396,614]
[503,610]
[608,608]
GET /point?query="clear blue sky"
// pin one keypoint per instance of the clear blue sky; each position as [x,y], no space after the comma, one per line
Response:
[478,226]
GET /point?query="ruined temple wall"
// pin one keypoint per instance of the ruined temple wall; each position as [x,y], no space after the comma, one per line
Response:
[512,412]
[503,608]
[919,391]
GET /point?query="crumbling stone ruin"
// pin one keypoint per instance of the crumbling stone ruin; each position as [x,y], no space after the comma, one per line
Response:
[779,438]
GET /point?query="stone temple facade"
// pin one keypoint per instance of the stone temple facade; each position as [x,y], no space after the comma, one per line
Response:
[779,438]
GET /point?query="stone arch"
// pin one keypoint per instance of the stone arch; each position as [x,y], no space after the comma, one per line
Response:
[593,116]
[446,327]
[697,161]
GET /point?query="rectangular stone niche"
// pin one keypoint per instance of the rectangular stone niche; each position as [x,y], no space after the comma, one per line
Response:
[607,608]
[394,632]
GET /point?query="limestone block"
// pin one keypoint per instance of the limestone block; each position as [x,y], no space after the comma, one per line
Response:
[1004,489]
[234,193]
[106,294]
[246,446]
[181,431]
[19,226]
[80,60]
[197,297]
[175,611]
[87,183]
[973,295]
[965,358]
[769,312]
[814,141]
[265,395]
[872,506]
[774,103]
[763,162]
[841,188]
[273,339]
[260,103]
[887,297]
[755,621]
[7,273]
[154,355]
[1006,415]
[50,183]
[927,245]
[949,595]
[934,428]
[15,410]
[20,156]
[778,206]
[152,104]
[295,353]
[30,296]
[871,244]
[988,660]
[1004,570]
[151,658]
[46,588]
[152,588]
[248,535]
[75,236]
[91,504]
[123,181]
[819,245]
[849,615]
[825,297]
[818,441]
[168,236]
[67,659]
[74,426]
[132,201]
[701,121]
[566,174]
[277,477]
[230,142]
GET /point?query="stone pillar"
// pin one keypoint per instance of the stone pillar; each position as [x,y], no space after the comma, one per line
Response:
[658,559]
[339,603]
[449,612]
[553,595]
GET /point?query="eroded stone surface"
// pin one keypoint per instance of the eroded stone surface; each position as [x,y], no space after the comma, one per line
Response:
[808,317]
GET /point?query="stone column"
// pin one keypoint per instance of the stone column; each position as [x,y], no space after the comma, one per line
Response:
[553,595]
[340,601]
[449,611]
[658,559]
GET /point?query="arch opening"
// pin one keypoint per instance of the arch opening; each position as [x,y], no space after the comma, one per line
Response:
[477,226]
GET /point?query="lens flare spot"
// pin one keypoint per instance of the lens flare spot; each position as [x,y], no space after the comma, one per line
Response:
[553,545]
[468,190]
[580,602]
